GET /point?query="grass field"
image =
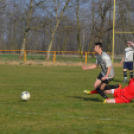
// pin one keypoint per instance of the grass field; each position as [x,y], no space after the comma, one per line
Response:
[57,104]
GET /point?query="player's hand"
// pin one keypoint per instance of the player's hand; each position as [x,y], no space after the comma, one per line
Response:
[84,67]
[130,42]
[103,78]
[121,63]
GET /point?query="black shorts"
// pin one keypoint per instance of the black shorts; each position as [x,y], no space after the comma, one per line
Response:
[128,65]
[105,81]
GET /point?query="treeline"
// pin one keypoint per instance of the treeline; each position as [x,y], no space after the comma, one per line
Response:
[64,25]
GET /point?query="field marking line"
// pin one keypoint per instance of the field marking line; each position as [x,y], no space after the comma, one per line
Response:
[72,116]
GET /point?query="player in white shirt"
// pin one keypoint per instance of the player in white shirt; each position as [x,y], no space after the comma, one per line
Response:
[105,76]
[128,60]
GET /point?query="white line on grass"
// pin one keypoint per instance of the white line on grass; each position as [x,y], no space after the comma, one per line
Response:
[72,116]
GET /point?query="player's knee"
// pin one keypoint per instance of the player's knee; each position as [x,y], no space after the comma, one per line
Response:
[95,86]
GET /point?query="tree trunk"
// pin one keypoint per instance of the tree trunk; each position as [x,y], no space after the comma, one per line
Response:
[55,29]
[23,46]
[28,20]
[78,30]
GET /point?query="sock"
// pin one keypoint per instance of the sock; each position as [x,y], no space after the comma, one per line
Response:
[111,87]
[113,91]
[93,92]
[125,74]
[125,78]
[101,93]
[131,74]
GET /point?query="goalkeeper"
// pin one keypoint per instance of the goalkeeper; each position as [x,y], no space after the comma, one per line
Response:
[124,95]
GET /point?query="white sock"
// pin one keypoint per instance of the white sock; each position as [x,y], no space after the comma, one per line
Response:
[125,78]
[112,91]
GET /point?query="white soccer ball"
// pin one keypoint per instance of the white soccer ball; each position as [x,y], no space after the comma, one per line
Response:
[25,95]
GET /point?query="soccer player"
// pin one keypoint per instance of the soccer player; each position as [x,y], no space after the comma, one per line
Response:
[105,76]
[128,60]
[124,95]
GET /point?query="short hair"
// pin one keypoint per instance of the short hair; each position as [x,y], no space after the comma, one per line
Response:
[98,44]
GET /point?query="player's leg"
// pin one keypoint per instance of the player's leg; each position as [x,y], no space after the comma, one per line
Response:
[111,91]
[125,75]
[104,86]
[131,74]
[101,89]
[96,84]
[117,96]
[115,100]
[110,101]
[130,68]
[125,72]
[108,87]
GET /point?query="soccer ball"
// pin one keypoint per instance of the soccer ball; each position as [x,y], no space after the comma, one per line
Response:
[25,95]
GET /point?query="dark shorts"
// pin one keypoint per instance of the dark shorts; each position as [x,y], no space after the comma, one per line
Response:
[105,81]
[128,65]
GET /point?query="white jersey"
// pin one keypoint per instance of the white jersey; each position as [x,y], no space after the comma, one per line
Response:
[104,61]
[129,54]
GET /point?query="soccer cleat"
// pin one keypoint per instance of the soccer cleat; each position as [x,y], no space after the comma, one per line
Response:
[87,92]
[105,101]
[125,80]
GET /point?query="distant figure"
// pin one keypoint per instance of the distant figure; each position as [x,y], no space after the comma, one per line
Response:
[128,60]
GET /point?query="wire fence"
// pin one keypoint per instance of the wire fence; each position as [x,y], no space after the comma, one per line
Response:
[55,56]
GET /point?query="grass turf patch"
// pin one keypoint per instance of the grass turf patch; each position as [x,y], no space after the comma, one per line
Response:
[57,103]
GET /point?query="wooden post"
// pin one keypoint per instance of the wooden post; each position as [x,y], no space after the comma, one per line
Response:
[54,56]
[85,57]
[25,56]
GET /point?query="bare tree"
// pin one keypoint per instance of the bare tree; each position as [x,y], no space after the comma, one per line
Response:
[58,20]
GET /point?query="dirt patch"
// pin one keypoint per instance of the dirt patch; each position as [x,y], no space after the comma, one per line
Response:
[50,63]
[117,65]
[61,64]
[12,63]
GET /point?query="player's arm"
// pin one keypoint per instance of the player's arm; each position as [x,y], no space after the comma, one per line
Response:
[122,60]
[107,74]
[108,63]
[132,44]
[84,67]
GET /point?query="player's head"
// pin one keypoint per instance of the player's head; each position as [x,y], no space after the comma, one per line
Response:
[129,43]
[98,47]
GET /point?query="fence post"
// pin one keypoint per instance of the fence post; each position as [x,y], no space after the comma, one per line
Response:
[85,57]
[54,56]
[25,56]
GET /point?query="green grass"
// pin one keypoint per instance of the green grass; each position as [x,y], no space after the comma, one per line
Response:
[57,104]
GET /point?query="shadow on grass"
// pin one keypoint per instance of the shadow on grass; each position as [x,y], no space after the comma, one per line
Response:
[85,98]
[117,80]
